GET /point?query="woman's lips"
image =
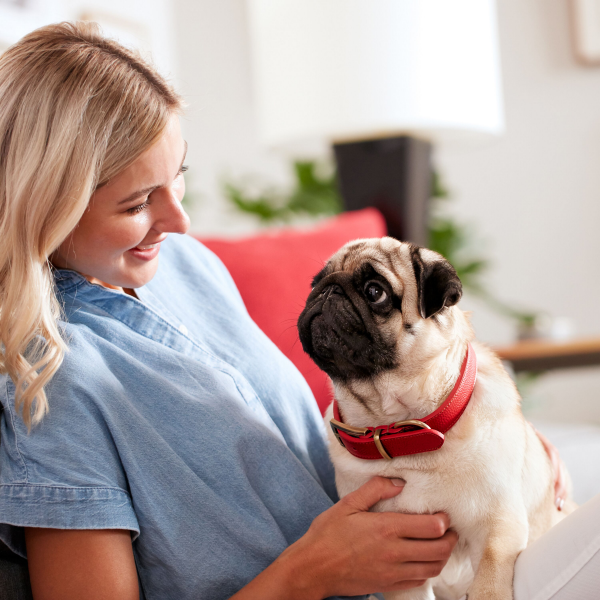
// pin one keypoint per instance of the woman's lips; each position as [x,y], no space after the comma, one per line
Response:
[146,251]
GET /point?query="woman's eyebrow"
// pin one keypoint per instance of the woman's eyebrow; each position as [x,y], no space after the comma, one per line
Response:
[149,190]
[138,194]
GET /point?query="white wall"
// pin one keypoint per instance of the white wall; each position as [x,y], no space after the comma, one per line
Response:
[534,194]
[214,76]
[147,24]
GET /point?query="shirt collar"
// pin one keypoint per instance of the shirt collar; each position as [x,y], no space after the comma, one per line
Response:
[65,279]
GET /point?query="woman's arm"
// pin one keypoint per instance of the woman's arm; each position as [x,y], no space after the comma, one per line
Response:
[346,551]
[78,565]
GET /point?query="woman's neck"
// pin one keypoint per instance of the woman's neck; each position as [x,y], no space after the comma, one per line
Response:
[96,281]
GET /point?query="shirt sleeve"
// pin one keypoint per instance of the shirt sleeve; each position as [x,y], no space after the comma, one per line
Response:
[66,472]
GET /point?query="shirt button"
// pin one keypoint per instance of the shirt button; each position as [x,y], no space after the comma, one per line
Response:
[183,329]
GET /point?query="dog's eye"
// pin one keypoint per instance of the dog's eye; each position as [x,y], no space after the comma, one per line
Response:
[374,292]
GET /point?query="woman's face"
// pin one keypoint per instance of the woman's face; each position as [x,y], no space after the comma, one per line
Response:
[117,241]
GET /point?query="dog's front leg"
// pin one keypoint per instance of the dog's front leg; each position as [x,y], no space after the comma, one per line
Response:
[424,592]
[493,556]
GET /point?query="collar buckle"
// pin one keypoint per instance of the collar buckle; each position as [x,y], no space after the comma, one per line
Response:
[413,422]
[349,429]
[376,432]
[398,424]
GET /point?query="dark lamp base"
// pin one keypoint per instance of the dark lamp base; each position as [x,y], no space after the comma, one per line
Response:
[393,175]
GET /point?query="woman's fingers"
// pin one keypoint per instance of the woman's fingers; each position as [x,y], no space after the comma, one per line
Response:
[422,570]
[560,485]
[431,550]
[558,467]
[414,574]
[417,526]
[376,489]
[407,585]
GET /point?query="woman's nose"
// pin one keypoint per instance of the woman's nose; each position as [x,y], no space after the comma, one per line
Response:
[169,216]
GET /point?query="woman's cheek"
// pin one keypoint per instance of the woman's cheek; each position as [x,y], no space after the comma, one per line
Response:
[133,230]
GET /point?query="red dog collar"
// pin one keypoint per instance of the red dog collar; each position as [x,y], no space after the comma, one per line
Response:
[409,437]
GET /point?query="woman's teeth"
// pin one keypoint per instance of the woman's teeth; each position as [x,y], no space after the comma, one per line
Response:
[148,247]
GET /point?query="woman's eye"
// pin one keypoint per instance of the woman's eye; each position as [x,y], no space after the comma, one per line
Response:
[374,292]
[183,169]
[137,209]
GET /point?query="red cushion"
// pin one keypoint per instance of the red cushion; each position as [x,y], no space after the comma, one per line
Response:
[273,272]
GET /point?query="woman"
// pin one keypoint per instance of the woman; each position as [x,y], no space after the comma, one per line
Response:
[154,441]
[150,428]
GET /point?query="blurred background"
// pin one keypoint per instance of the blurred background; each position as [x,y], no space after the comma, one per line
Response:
[495,106]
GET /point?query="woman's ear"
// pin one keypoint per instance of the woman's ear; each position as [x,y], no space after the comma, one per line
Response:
[438,285]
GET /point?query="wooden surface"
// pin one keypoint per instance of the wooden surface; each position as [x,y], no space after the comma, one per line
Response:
[544,355]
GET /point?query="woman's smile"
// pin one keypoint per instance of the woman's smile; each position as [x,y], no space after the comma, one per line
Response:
[147,251]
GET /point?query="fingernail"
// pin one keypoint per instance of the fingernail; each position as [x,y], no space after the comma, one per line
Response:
[399,482]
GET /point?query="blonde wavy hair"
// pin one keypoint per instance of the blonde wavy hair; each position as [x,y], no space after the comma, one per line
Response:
[76,108]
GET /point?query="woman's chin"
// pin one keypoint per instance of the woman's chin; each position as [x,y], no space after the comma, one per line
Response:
[141,279]
[134,274]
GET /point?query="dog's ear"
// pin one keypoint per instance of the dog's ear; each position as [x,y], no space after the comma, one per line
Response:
[438,285]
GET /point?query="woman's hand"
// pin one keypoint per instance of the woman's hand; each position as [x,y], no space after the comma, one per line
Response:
[560,472]
[349,551]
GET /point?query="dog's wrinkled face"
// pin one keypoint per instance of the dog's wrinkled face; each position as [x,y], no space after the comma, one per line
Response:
[370,295]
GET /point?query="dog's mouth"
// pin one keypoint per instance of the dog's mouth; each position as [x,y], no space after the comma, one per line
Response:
[338,332]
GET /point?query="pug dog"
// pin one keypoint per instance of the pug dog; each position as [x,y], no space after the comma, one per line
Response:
[417,398]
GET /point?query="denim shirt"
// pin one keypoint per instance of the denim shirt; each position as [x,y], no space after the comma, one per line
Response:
[174,417]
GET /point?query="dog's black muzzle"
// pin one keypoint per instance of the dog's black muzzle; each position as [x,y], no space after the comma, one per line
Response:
[338,332]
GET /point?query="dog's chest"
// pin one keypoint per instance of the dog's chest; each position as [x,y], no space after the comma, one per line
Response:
[451,480]
[428,492]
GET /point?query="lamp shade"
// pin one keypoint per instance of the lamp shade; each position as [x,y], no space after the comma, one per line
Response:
[345,70]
